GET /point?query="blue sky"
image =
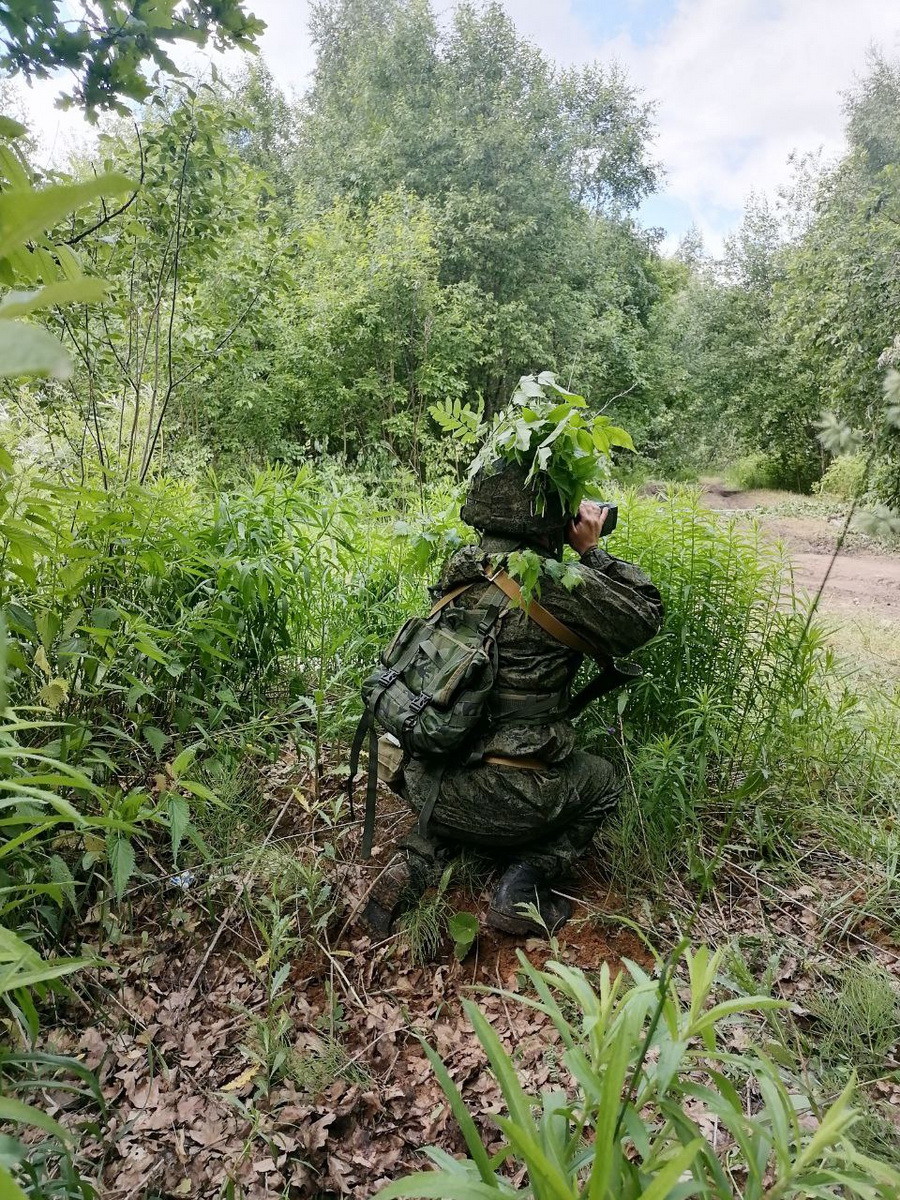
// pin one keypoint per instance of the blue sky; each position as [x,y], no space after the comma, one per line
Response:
[738,84]
[641,20]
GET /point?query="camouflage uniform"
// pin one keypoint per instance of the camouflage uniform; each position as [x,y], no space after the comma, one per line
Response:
[545,817]
[540,819]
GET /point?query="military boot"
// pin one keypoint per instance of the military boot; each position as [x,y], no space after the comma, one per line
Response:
[522,883]
[410,871]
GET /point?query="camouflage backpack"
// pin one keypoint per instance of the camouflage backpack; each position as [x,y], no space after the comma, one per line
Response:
[432,686]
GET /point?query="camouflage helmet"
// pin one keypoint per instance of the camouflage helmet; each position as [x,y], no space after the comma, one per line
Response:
[500,501]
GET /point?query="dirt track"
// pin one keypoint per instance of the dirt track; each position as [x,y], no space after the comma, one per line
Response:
[862,579]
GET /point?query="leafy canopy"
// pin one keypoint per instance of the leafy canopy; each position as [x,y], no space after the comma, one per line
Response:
[108,43]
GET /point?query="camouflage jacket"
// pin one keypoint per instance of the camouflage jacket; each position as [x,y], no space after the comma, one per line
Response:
[614,606]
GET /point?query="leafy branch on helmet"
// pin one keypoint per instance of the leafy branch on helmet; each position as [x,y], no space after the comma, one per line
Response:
[546,429]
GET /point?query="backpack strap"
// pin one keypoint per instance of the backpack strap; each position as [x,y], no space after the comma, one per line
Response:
[448,596]
[541,616]
[612,675]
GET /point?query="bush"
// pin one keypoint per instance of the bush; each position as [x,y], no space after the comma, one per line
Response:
[755,471]
[844,477]
[711,714]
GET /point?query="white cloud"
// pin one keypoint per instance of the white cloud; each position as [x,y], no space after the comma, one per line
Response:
[742,83]
[739,84]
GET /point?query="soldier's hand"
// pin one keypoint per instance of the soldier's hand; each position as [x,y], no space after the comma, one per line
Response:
[584,531]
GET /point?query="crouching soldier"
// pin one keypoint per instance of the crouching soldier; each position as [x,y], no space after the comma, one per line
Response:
[520,791]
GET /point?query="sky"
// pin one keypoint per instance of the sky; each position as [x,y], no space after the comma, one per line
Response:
[738,84]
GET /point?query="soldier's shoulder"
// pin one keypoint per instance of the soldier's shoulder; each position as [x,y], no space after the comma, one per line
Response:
[463,566]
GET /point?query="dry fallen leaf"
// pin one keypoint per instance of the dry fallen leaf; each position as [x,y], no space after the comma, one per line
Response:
[246,1076]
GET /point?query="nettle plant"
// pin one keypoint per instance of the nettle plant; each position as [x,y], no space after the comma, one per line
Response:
[548,430]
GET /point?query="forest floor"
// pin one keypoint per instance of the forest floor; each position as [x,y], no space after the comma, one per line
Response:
[245,1055]
[317,1086]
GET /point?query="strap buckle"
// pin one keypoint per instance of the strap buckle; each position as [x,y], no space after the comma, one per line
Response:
[420,702]
[388,677]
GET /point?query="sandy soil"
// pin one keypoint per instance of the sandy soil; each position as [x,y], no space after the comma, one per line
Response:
[863,578]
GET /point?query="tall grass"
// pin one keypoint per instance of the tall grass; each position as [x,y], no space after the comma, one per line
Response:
[194,625]
[742,705]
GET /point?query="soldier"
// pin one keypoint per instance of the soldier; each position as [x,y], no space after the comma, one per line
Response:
[529,798]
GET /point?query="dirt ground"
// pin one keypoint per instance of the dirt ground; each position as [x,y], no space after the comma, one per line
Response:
[860,603]
[862,577]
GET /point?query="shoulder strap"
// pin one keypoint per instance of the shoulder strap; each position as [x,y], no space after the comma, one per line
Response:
[546,620]
[448,596]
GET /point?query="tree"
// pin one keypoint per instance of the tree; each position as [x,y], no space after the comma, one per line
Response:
[137,350]
[110,42]
[530,173]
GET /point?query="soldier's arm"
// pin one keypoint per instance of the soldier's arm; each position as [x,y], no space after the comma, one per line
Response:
[615,605]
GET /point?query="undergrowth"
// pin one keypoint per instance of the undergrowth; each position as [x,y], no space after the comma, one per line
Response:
[166,642]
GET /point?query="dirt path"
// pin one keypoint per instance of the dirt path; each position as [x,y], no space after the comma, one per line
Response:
[864,578]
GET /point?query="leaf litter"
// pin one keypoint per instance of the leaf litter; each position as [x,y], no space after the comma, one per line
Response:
[186,1112]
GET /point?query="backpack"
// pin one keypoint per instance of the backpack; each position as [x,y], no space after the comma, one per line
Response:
[432,687]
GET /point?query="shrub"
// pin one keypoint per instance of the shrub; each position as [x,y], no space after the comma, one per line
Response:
[755,471]
[844,477]
[711,713]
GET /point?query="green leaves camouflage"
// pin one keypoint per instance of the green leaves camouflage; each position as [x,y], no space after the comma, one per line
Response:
[548,429]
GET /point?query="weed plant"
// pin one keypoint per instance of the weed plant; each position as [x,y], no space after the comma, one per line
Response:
[425,924]
[636,1124]
[858,1024]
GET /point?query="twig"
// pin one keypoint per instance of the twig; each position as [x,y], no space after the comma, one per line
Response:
[117,212]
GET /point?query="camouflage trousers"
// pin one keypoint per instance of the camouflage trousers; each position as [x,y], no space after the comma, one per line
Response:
[547,818]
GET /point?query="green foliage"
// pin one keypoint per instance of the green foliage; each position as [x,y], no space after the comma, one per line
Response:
[647,1074]
[29,255]
[528,169]
[754,471]
[425,924]
[566,450]
[107,45]
[857,1025]
[739,702]
[463,928]
[845,477]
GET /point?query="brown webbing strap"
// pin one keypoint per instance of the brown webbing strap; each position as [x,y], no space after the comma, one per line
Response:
[524,764]
[545,619]
[451,595]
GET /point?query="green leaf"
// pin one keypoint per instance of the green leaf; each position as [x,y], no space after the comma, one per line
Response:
[62,875]
[440,1185]
[68,291]
[156,738]
[183,760]
[463,928]
[12,129]
[14,949]
[9,1189]
[29,350]
[27,1114]
[179,819]
[120,853]
[26,213]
